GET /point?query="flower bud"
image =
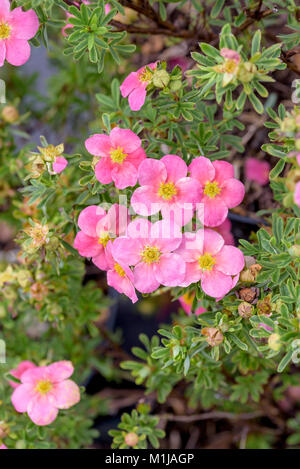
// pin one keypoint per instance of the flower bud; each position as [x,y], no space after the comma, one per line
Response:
[175,85]
[160,78]
[131,439]
[246,72]
[10,114]
[294,250]
[245,310]
[214,337]
[274,342]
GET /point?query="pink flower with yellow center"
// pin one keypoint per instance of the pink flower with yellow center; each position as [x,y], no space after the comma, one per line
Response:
[231,64]
[134,86]
[221,190]
[165,188]
[257,171]
[119,275]
[16,28]
[120,155]
[186,302]
[210,262]
[149,248]
[44,390]
[98,227]
[17,372]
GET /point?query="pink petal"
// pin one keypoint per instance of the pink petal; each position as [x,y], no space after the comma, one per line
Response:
[136,157]
[177,214]
[17,372]
[125,139]
[166,235]
[233,192]
[145,201]
[66,394]
[189,192]
[176,167]
[89,218]
[225,231]
[22,396]
[60,371]
[122,285]
[137,98]
[191,247]
[202,169]
[124,175]
[41,410]
[101,260]
[98,145]
[17,51]
[230,260]
[103,170]
[223,171]
[127,250]
[129,84]
[32,375]
[2,52]
[213,242]
[212,212]
[86,245]
[59,164]
[139,228]
[170,270]
[152,173]
[115,222]
[25,23]
[192,274]
[214,283]
[4,9]
[257,171]
[144,278]
[230,54]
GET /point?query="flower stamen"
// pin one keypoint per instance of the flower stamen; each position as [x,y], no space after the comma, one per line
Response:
[206,261]
[212,189]
[117,155]
[119,270]
[167,190]
[44,386]
[150,254]
[4,31]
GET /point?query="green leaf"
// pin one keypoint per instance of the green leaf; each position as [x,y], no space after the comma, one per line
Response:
[285,361]
[217,8]
[255,47]
[277,169]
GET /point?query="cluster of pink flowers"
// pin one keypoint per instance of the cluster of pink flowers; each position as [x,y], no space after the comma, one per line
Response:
[140,255]
[43,390]
[16,28]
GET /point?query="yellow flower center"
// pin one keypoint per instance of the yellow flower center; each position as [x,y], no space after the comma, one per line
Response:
[150,254]
[117,155]
[145,75]
[4,31]
[104,239]
[44,386]
[207,261]
[230,66]
[119,270]
[167,191]
[212,189]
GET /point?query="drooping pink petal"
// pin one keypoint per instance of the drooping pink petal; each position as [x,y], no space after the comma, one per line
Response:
[59,164]
[214,283]
[137,98]
[170,270]
[212,212]
[103,170]
[223,171]
[230,260]
[21,397]
[192,274]
[59,371]
[152,172]
[124,175]
[66,394]
[202,169]
[213,242]
[125,139]
[233,192]
[176,167]
[129,84]
[144,278]
[101,260]
[2,52]
[122,285]
[25,24]
[98,145]
[17,51]
[41,410]
[89,218]
[145,201]
[17,372]
[86,245]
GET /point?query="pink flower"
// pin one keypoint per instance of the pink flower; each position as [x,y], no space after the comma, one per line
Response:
[225,231]
[97,228]
[257,171]
[297,194]
[3,447]
[59,164]
[68,15]
[210,261]
[44,390]
[166,188]
[119,275]
[149,247]
[186,302]
[121,154]
[16,28]
[230,66]
[220,190]
[17,372]
[264,326]
[230,54]
[134,86]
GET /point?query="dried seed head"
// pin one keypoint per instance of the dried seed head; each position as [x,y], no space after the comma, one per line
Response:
[214,337]
[245,310]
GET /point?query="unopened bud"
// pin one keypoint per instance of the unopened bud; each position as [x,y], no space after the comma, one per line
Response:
[160,78]
[10,114]
[246,72]
[245,310]
[131,439]
[175,85]
[214,337]
[274,342]
[294,250]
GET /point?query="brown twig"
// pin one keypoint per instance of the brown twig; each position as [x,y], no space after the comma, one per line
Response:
[210,416]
